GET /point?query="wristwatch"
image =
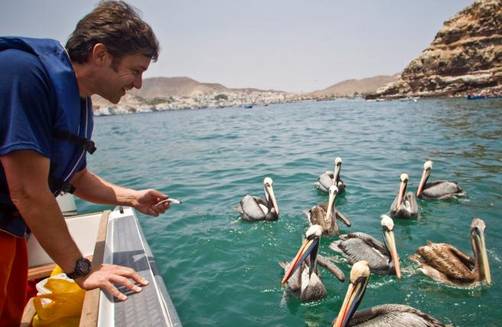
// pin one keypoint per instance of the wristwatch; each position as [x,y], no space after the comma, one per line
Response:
[82,268]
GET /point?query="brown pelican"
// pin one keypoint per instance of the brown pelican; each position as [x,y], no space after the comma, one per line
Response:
[381,257]
[305,282]
[387,315]
[437,189]
[252,208]
[405,204]
[446,264]
[331,178]
[326,214]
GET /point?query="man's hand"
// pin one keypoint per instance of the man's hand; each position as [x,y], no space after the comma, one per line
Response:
[146,202]
[107,276]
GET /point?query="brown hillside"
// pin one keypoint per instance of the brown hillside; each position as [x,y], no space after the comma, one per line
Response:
[353,87]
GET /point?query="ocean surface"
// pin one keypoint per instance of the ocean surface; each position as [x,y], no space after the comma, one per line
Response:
[222,271]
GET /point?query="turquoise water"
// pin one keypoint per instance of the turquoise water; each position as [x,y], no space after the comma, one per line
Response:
[221,271]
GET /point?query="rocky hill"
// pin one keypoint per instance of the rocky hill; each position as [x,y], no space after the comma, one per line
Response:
[355,87]
[172,93]
[175,86]
[464,58]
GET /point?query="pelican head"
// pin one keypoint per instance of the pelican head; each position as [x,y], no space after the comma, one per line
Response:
[333,190]
[425,175]
[269,194]
[313,231]
[310,246]
[479,249]
[359,276]
[338,161]
[390,241]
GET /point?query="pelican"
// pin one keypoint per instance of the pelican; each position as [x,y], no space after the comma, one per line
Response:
[381,315]
[331,178]
[326,214]
[439,190]
[405,204]
[446,264]
[382,258]
[252,208]
[306,282]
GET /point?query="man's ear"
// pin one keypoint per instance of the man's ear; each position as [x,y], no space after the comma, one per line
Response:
[99,55]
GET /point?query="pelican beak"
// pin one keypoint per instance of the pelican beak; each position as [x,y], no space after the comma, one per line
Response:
[336,173]
[271,194]
[353,297]
[479,248]
[425,175]
[402,190]
[307,247]
[391,245]
[331,200]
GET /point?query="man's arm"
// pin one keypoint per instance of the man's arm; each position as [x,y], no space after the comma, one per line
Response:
[95,189]
[27,174]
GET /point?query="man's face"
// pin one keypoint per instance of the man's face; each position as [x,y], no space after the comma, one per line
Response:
[118,78]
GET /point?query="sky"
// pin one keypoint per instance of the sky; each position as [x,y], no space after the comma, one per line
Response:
[290,45]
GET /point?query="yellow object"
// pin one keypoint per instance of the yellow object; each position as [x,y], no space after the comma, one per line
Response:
[62,307]
[56,271]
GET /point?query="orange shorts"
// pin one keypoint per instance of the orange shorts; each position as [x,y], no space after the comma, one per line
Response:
[13,279]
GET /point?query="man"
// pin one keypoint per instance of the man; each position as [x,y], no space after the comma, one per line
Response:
[45,131]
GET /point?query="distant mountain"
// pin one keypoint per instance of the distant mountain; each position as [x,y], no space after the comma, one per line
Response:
[165,87]
[464,58]
[177,92]
[353,87]
[175,86]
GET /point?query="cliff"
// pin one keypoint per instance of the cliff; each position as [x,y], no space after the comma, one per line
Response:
[464,58]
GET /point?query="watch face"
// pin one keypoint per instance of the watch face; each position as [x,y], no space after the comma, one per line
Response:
[83,266]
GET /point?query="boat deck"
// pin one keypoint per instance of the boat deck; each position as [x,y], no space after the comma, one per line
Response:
[116,238]
[126,245]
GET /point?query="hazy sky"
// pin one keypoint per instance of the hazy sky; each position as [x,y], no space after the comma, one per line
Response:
[292,45]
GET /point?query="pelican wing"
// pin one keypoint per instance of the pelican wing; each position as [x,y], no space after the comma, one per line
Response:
[312,288]
[445,263]
[407,209]
[331,267]
[360,246]
[342,217]
[253,208]
[325,181]
[293,282]
[394,315]
[442,190]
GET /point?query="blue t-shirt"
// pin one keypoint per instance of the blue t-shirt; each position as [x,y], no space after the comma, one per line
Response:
[28,111]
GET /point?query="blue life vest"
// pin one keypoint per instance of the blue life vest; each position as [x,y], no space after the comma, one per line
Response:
[72,124]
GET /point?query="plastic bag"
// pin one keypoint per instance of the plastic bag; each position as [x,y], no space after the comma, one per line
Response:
[61,305]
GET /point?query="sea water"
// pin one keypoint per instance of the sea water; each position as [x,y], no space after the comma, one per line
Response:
[222,271]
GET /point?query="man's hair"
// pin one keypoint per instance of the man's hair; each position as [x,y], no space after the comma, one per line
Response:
[118,26]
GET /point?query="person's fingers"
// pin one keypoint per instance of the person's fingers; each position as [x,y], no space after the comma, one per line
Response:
[117,279]
[138,279]
[130,273]
[112,290]
[159,195]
